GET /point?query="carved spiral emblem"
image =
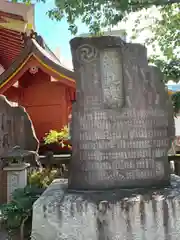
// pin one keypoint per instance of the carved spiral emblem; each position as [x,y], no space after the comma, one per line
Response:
[86,53]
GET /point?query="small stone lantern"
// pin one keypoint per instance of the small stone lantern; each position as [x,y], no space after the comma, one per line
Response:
[16,168]
[18,157]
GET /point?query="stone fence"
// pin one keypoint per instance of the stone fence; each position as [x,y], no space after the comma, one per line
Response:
[12,177]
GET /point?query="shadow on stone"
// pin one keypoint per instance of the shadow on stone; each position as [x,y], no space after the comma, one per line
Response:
[122,214]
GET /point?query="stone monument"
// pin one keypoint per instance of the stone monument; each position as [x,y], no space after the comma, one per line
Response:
[16,129]
[122,123]
[122,126]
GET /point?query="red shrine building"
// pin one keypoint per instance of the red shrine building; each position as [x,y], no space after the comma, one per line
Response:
[30,73]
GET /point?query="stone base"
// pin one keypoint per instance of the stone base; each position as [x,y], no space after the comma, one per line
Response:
[108,215]
[16,177]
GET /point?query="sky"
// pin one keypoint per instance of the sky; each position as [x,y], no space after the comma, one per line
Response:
[55,34]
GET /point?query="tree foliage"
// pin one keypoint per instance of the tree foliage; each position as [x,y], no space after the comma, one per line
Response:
[166,36]
[99,14]
[176,102]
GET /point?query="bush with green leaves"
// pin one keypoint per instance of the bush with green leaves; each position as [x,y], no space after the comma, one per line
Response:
[176,102]
[17,214]
[43,178]
[61,137]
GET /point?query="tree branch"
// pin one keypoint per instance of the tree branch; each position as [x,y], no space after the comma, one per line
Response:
[166,2]
[147,4]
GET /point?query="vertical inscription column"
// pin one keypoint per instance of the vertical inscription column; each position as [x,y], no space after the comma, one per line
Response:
[112,78]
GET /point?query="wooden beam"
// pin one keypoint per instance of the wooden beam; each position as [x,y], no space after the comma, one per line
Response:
[11,43]
[10,15]
[10,52]
[174,157]
[8,48]
[55,159]
[11,57]
[17,76]
[11,39]
[8,45]
[10,34]
[13,24]
[10,31]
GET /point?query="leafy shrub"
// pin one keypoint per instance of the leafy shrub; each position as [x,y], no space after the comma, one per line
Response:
[18,213]
[61,137]
[42,178]
[176,102]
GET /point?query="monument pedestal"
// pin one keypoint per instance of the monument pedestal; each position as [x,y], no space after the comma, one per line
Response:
[106,215]
[16,178]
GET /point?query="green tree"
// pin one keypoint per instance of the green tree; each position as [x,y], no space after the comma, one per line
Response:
[166,36]
[99,14]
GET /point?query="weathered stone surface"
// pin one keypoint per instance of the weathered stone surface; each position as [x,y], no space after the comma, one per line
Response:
[107,215]
[122,121]
[16,128]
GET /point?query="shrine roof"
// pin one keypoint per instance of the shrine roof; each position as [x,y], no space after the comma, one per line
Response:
[15,19]
[17,11]
[35,47]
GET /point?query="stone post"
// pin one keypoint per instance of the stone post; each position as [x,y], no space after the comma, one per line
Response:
[16,178]
[120,129]
[3,186]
